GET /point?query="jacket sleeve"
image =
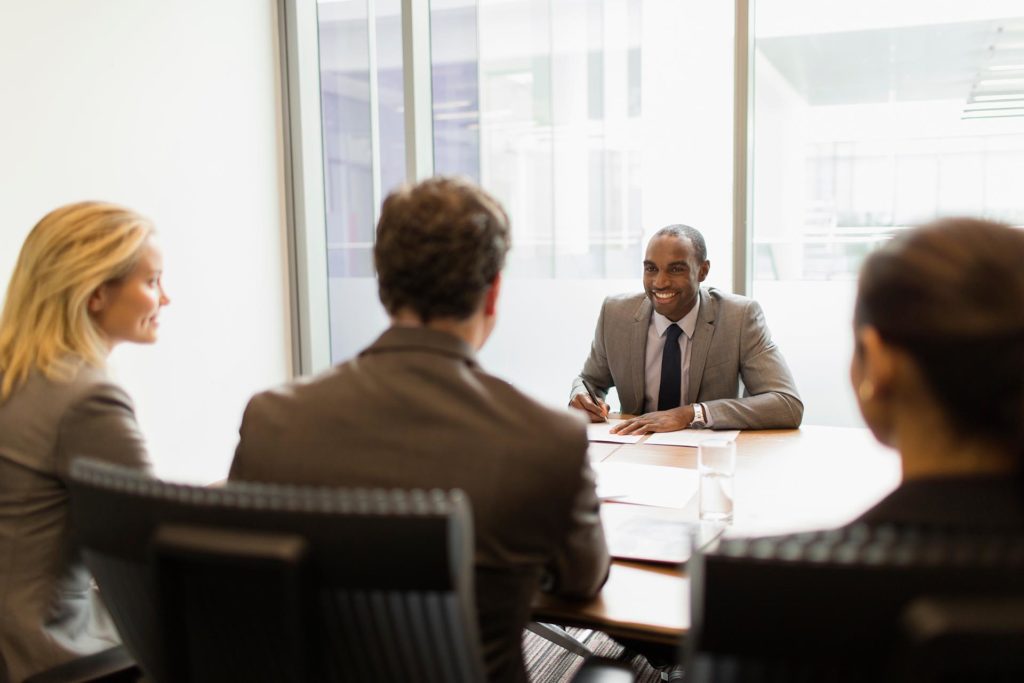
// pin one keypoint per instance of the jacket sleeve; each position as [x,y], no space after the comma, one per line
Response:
[595,369]
[770,399]
[581,562]
[101,425]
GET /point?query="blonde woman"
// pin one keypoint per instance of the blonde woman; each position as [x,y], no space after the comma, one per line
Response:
[87,279]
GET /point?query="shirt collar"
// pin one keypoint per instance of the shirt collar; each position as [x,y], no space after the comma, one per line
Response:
[688,323]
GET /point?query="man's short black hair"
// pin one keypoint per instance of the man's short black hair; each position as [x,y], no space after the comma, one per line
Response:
[693,234]
[440,244]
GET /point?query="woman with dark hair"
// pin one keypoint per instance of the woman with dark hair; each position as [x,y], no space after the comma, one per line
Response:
[938,370]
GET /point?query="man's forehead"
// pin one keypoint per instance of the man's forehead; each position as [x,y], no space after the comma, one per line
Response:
[672,247]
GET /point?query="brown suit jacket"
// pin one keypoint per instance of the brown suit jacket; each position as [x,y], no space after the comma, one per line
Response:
[49,610]
[415,410]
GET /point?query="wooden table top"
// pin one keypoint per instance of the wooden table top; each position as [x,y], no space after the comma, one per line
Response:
[786,480]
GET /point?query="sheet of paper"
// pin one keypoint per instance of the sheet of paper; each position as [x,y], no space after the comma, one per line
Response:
[633,533]
[599,431]
[670,487]
[647,534]
[691,437]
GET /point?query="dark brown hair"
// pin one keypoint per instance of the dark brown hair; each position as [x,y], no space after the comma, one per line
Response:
[439,246]
[951,294]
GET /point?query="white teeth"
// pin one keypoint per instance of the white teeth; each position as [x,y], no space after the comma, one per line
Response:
[664,295]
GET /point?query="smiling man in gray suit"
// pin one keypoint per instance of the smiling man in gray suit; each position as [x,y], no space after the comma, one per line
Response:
[416,410]
[685,356]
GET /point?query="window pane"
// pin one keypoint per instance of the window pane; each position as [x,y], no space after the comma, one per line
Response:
[345,102]
[863,127]
[595,122]
[350,166]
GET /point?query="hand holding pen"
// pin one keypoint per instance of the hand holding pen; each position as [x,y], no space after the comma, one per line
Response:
[596,409]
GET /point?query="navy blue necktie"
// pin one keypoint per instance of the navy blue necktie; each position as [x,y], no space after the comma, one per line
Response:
[671,370]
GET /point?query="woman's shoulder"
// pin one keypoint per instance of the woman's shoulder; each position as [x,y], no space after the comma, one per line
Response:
[37,417]
[41,402]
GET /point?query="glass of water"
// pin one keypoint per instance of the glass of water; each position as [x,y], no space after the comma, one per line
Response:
[716,463]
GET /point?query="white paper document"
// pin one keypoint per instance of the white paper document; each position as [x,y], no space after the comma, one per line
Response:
[670,487]
[648,534]
[691,437]
[600,431]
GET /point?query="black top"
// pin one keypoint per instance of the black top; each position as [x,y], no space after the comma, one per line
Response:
[993,503]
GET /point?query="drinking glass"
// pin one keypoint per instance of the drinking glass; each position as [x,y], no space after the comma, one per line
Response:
[716,463]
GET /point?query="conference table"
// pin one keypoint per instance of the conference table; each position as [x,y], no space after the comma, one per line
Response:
[785,481]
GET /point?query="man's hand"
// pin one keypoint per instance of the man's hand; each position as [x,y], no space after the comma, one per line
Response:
[661,421]
[597,412]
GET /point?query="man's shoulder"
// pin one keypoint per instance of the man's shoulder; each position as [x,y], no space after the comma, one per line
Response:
[623,305]
[723,298]
[551,424]
[727,305]
[301,390]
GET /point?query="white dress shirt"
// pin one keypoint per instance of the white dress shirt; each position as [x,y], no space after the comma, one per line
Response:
[655,348]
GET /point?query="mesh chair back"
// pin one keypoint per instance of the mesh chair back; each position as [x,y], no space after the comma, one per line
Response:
[828,605]
[259,582]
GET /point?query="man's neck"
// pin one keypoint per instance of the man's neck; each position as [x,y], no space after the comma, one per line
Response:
[470,330]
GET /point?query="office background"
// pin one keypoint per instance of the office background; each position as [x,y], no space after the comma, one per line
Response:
[594,121]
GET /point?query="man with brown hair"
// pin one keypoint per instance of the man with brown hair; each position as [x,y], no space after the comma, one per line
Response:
[415,409]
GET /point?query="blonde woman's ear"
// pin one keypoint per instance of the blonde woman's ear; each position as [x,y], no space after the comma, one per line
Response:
[98,299]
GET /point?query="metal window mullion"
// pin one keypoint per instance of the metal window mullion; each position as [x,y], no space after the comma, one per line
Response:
[305,215]
[371,48]
[479,96]
[553,128]
[742,168]
[416,76]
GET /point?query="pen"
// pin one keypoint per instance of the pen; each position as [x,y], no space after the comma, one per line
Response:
[592,394]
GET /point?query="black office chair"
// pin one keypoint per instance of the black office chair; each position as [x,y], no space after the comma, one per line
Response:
[270,583]
[831,605]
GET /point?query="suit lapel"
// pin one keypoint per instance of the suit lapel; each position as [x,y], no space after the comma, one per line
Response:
[701,343]
[638,350]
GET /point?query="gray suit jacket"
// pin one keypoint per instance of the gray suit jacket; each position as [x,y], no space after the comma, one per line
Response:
[414,410]
[730,343]
[49,610]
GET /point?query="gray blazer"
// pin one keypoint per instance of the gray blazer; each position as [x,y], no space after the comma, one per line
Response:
[731,344]
[49,609]
[415,410]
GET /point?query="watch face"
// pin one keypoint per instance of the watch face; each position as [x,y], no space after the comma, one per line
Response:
[698,417]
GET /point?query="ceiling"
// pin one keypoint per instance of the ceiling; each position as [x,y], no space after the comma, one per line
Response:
[941,61]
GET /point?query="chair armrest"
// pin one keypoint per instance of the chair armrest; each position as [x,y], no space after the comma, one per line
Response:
[113,665]
[602,670]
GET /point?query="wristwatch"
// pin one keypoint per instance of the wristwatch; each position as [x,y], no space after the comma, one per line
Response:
[698,421]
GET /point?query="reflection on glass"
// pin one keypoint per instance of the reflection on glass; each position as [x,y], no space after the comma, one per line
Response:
[883,123]
[869,117]
[595,122]
[347,135]
[575,113]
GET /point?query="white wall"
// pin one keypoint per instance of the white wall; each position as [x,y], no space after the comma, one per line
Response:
[171,108]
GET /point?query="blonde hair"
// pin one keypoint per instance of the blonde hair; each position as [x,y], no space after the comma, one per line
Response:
[45,324]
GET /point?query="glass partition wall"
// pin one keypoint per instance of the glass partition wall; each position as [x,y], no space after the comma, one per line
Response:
[596,122]
[868,118]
